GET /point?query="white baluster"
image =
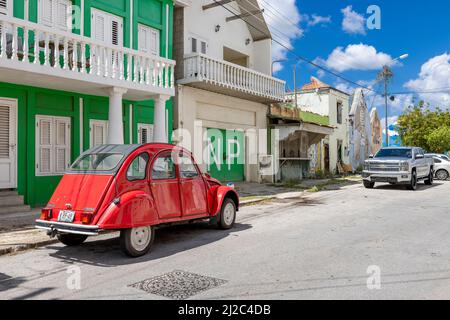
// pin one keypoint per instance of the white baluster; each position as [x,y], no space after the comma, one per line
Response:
[99,61]
[83,57]
[106,61]
[135,68]
[46,49]
[14,43]
[92,63]
[121,65]
[114,63]
[25,45]
[154,73]
[74,55]
[66,54]
[3,40]
[129,66]
[36,46]
[147,71]
[172,76]
[56,54]
[166,74]
[141,70]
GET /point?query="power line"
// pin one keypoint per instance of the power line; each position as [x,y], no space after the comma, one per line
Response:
[297,55]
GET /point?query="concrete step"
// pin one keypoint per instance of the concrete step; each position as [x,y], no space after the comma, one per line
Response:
[12,200]
[8,193]
[14,209]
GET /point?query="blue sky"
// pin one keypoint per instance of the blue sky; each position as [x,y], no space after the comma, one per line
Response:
[419,28]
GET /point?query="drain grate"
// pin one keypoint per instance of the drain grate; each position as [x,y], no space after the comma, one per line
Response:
[178,284]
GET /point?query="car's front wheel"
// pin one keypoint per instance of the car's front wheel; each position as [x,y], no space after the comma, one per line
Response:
[136,242]
[413,184]
[227,214]
[442,175]
[71,240]
[368,184]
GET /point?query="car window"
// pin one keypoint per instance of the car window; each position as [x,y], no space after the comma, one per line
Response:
[187,167]
[138,168]
[97,162]
[163,168]
[437,160]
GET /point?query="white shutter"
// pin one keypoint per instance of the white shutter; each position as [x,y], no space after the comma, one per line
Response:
[62,145]
[99,131]
[204,47]
[107,28]
[63,14]
[44,147]
[46,11]
[4,6]
[116,28]
[149,40]
[98,25]
[5,115]
[145,133]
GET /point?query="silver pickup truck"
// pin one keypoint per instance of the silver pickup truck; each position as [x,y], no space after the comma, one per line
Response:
[398,165]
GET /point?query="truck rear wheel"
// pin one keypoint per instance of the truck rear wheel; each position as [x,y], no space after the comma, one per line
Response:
[368,184]
[71,240]
[430,179]
[413,184]
[136,242]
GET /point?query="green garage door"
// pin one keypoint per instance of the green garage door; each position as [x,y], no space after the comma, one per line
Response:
[226,154]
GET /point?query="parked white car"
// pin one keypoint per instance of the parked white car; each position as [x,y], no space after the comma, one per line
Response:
[441,166]
[438,155]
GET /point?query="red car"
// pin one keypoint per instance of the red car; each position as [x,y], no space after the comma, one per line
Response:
[134,188]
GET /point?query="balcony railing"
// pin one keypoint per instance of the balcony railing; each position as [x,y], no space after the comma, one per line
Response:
[202,68]
[34,47]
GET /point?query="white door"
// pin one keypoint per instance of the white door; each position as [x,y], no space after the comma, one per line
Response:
[98,132]
[145,133]
[8,144]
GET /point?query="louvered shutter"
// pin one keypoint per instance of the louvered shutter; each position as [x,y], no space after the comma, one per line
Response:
[99,25]
[99,129]
[62,145]
[47,8]
[63,16]
[149,40]
[4,6]
[5,115]
[145,133]
[44,164]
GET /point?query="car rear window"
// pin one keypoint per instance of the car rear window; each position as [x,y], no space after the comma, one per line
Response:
[97,162]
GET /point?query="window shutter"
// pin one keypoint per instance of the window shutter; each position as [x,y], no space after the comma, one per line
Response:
[149,40]
[203,47]
[4,6]
[62,145]
[4,131]
[63,9]
[116,31]
[194,45]
[45,145]
[47,12]
[99,23]
[99,129]
[145,133]
[142,39]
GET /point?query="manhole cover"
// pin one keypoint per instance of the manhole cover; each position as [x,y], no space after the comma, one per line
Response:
[178,284]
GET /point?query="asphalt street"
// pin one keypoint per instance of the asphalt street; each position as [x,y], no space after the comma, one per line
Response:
[323,246]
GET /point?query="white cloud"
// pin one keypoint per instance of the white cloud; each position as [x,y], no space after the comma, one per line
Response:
[434,74]
[356,57]
[315,19]
[287,20]
[353,22]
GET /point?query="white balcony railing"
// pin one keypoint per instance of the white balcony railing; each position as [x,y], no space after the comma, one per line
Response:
[202,68]
[52,52]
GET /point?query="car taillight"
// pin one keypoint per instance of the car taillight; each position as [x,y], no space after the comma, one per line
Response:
[86,217]
[46,214]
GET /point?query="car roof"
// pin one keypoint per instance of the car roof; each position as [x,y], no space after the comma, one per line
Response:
[127,149]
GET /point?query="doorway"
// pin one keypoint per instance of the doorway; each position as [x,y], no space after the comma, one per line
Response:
[8,144]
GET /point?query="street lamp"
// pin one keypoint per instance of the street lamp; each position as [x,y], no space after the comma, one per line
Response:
[276,61]
[386,75]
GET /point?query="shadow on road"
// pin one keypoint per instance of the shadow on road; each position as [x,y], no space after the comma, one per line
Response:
[420,187]
[168,241]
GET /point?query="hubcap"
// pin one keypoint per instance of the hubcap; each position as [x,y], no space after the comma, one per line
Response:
[228,213]
[140,238]
[441,175]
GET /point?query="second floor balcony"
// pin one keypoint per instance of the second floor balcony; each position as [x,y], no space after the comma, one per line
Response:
[35,55]
[221,76]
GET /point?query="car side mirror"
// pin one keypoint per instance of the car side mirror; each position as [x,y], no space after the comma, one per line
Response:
[371,156]
[420,156]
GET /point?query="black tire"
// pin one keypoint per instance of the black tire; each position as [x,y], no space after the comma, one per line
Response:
[368,184]
[134,246]
[71,240]
[413,184]
[442,174]
[429,181]
[227,218]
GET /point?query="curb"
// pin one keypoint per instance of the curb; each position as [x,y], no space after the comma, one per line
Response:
[24,247]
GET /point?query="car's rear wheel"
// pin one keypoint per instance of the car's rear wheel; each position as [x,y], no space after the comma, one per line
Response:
[71,239]
[413,184]
[136,242]
[442,175]
[368,184]
[430,179]
[227,214]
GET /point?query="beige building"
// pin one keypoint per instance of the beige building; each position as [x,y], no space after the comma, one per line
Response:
[322,99]
[224,85]
[377,131]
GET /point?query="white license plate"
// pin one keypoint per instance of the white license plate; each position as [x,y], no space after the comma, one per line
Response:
[66,216]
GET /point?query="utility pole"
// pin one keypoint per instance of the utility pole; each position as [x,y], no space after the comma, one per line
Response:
[295,86]
[386,75]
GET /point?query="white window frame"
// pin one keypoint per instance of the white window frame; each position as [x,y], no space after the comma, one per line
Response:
[149,127]
[146,29]
[199,40]
[104,124]
[108,23]
[54,19]
[8,10]
[53,145]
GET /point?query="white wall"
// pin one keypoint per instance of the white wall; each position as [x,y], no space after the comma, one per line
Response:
[202,23]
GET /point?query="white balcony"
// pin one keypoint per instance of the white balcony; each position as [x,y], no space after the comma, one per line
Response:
[227,78]
[28,54]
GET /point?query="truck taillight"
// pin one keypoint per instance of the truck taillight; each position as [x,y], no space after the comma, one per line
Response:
[46,214]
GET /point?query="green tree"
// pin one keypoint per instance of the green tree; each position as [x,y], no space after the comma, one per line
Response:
[419,126]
